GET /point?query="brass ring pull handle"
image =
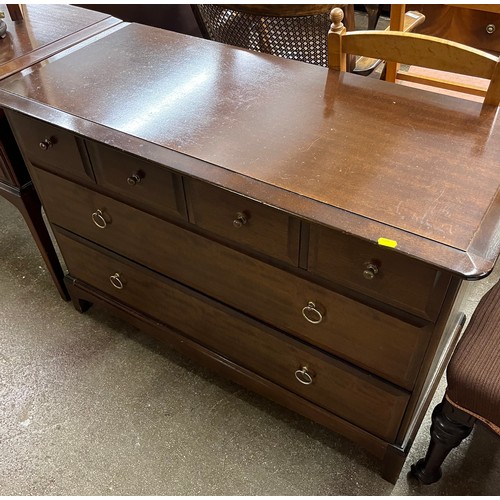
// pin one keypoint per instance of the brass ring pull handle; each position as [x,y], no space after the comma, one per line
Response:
[303,376]
[370,271]
[116,281]
[98,219]
[134,179]
[312,314]
[46,144]
[240,220]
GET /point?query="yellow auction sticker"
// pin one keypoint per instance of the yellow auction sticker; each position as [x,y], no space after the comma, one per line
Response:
[385,242]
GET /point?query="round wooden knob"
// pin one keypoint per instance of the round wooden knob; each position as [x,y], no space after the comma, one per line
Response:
[240,220]
[46,144]
[370,271]
[134,179]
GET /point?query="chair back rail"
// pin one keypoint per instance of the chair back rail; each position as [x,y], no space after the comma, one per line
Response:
[414,49]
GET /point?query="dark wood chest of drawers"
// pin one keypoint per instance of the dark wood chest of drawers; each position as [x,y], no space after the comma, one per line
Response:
[260,282]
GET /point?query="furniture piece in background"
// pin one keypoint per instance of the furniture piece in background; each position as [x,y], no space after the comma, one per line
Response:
[42,31]
[476,25]
[293,31]
[419,50]
[173,17]
[253,233]
[473,392]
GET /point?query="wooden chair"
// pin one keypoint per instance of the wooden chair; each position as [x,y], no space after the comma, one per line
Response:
[473,392]
[419,50]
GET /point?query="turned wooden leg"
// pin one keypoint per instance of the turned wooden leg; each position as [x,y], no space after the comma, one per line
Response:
[450,426]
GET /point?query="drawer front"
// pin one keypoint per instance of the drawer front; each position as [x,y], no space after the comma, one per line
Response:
[370,339]
[51,148]
[137,181]
[376,271]
[349,393]
[243,221]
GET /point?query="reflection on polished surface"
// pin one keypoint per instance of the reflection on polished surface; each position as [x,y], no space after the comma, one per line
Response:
[42,25]
[290,125]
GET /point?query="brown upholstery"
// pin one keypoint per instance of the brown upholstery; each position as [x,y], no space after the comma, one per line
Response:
[474,371]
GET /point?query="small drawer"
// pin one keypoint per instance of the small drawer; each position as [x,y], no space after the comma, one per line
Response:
[51,148]
[137,181]
[243,221]
[375,341]
[324,380]
[381,273]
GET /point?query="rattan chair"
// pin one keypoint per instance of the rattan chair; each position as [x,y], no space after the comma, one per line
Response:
[473,392]
[291,31]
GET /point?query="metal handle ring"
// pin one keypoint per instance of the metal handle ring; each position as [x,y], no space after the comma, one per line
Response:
[311,309]
[98,219]
[116,281]
[303,376]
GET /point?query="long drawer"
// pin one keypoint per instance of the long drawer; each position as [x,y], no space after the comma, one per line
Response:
[364,336]
[328,382]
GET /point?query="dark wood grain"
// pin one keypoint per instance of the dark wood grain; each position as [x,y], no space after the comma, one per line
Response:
[63,153]
[257,226]
[34,33]
[408,284]
[424,157]
[278,141]
[363,400]
[143,184]
[369,338]
[84,293]
[45,31]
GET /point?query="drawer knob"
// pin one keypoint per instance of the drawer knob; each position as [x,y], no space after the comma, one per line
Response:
[240,220]
[116,281]
[46,144]
[134,179]
[370,271]
[312,314]
[303,376]
[99,219]
[490,29]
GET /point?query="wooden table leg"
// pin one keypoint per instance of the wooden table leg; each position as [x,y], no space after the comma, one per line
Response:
[27,202]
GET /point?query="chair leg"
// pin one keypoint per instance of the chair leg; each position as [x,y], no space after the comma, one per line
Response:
[450,426]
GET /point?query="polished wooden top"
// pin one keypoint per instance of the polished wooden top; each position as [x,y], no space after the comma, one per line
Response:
[365,156]
[44,31]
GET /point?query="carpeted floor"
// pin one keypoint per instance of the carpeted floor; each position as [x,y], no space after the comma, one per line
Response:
[90,406]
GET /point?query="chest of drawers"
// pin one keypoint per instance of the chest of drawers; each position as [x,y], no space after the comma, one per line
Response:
[258,281]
